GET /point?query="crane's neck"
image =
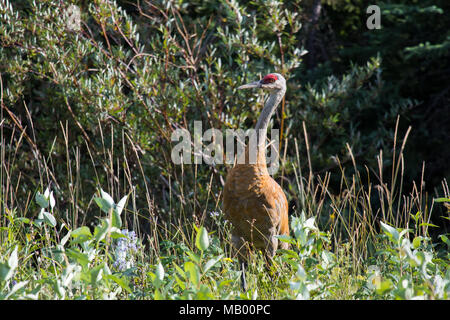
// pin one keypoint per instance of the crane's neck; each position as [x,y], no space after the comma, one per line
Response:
[264,118]
[261,129]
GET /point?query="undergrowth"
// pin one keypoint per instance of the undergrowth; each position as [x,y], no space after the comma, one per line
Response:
[349,245]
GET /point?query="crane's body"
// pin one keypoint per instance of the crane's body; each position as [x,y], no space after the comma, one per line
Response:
[254,203]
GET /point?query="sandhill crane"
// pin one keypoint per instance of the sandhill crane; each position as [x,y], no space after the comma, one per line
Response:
[253,202]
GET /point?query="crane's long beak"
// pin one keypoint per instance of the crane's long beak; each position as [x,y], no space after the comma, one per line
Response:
[256,84]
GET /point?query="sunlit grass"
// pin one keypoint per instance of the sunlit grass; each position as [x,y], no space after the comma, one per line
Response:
[349,245]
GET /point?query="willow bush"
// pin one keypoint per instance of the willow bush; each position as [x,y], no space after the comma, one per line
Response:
[97,102]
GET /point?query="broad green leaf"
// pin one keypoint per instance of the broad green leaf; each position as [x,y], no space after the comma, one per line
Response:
[301,273]
[402,233]
[81,232]
[47,193]
[13,260]
[416,242]
[328,259]
[159,272]
[59,289]
[80,258]
[158,295]
[285,238]
[391,232]
[383,286]
[255,294]
[194,257]
[180,282]
[121,204]
[51,200]
[193,273]
[23,220]
[107,198]
[202,239]
[16,288]
[116,220]
[442,200]
[103,204]
[310,223]
[120,281]
[5,272]
[49,219]
[41,200]
[115,233]
[101,230]
[211,263]
[179,270]
[445,239]
[41,214]
[96,274]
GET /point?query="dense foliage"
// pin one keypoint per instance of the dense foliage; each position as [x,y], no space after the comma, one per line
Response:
[91,104]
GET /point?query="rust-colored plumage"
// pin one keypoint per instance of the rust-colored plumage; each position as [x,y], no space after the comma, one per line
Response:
[253,202]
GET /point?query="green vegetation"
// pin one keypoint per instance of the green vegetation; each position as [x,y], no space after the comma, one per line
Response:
[92,207]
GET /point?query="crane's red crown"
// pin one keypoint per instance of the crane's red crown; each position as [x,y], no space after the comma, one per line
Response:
[270,78]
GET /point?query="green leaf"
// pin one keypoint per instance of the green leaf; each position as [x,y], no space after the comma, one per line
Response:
[179,270]
[285,238]
[402,233]
[180,282]
[59,289]
[328,259]
[101,231]
[428,225]
[41,200]
[194,257]
[51,200]
[23,220]
[445,239]
[159,272]
[120,281]
[108,199]
[301,273]
[442,200]
[65,238]
[416,216]
[391,232]
[96,274]
[116,221]
[16,288]
[416,242]
[383,287]
[158,295]
[5,272]
[202,239]
[211,263]
[47,193]
[103,204]
[49,219]
[81,234]
[80,258]
[121,205]
[116,234]
[193,273]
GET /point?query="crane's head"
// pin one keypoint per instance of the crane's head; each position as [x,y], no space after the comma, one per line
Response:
[270,82]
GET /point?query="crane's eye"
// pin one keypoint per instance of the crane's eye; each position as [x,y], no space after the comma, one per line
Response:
[270,78]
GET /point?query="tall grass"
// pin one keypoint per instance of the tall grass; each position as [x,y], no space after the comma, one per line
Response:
[349,242]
